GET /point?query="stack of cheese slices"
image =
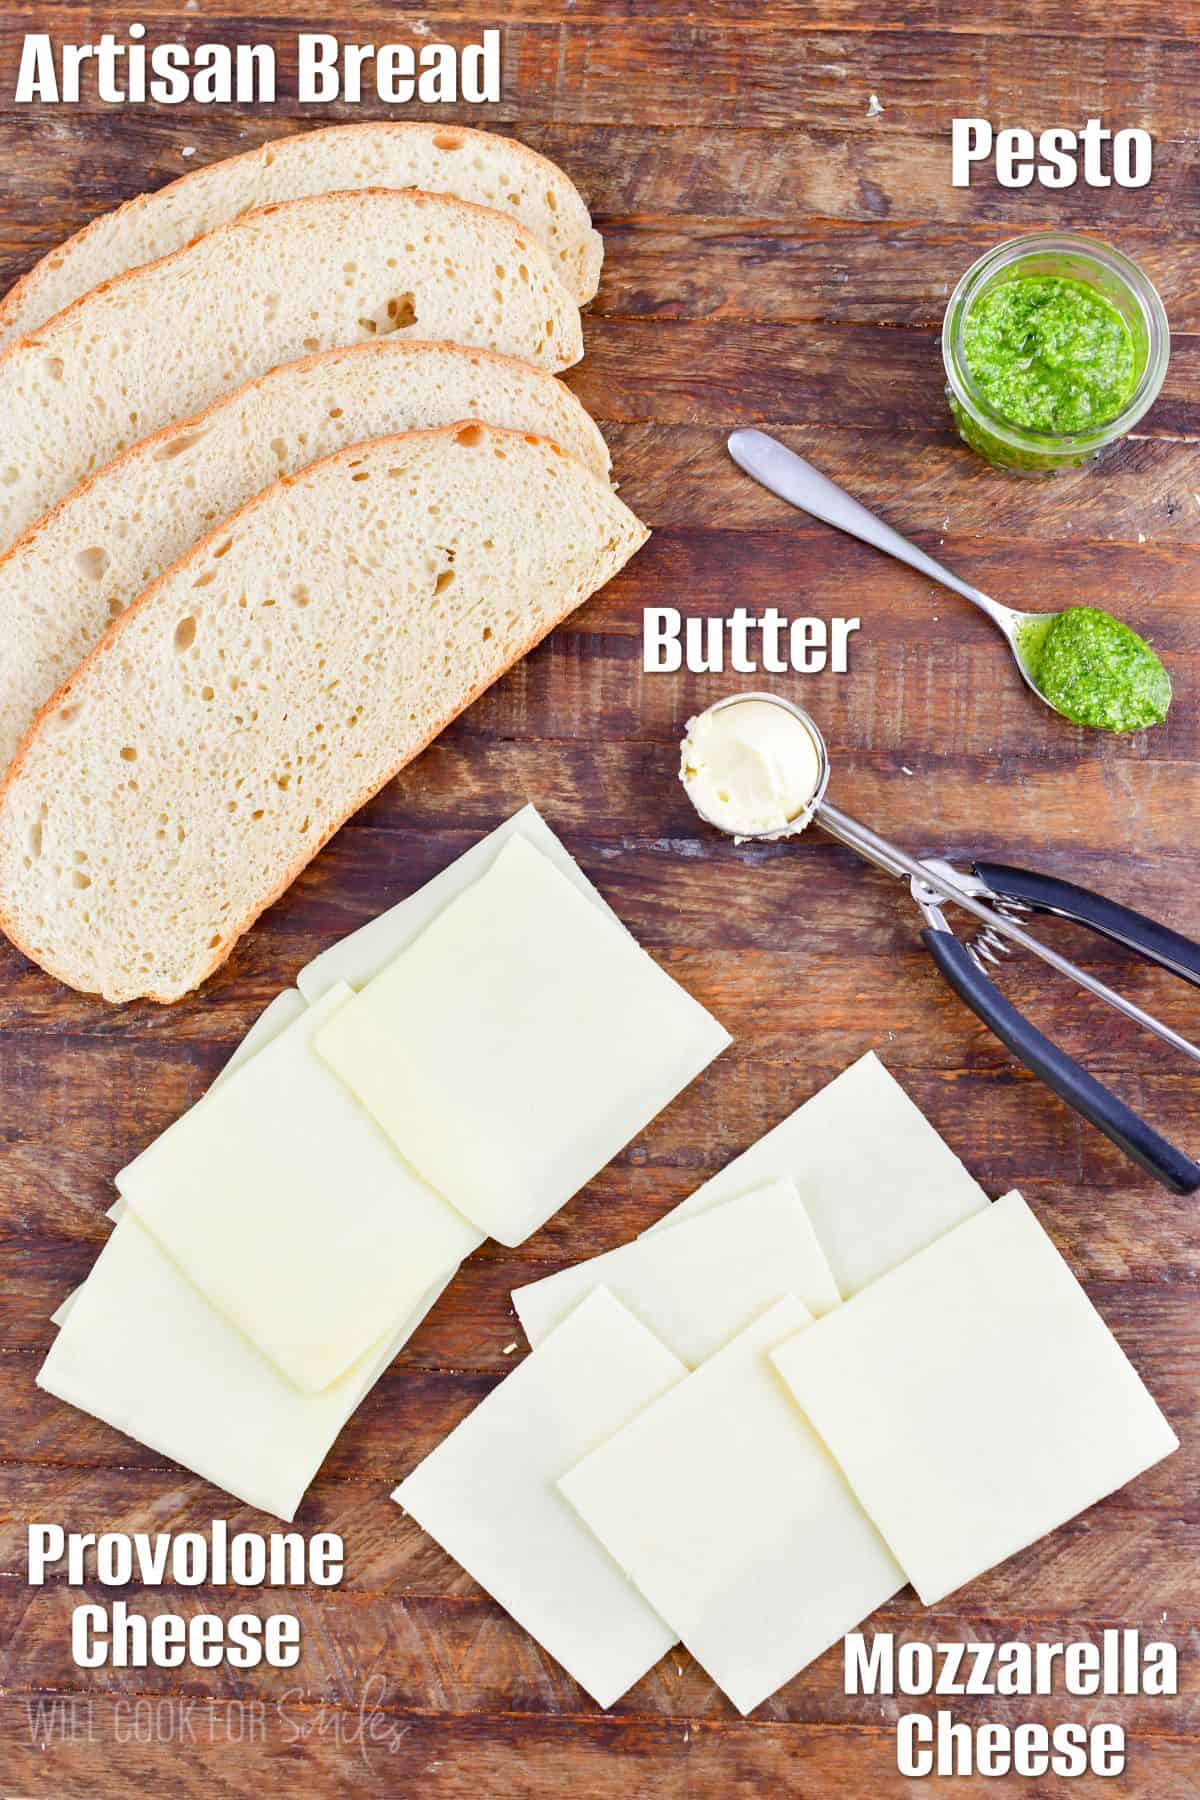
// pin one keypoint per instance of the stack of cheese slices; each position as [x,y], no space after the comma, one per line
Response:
[831,1370]
[287,480]
[453,1070]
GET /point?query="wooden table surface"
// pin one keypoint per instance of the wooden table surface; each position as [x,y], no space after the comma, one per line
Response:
[774,255]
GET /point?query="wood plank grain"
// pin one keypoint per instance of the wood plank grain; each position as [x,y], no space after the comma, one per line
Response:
[855,947]
[462,1655]
[662,192]
[1141,1558]
[773,76]
[927,483]
[318,1750]
[416,21]
[898,1004]
[801,568]
[1127,1230]
[774,255]
[1138,803]
[870,273]
[696,372]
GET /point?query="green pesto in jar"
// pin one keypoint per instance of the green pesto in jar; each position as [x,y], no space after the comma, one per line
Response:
[1050,355]
[1094,670]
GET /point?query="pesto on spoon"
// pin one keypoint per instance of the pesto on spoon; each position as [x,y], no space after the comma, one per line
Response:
[1094,670]
[1082,662]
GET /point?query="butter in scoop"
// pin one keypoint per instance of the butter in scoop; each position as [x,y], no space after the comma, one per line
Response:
[751,767]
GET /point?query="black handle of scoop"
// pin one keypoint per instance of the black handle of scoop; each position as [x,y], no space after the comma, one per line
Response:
[1071,1083]
[1046,893]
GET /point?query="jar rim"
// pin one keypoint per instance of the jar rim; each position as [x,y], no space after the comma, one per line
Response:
[1115,264]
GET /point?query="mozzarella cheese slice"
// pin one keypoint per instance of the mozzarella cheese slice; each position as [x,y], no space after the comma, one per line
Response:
[488,1494]
[699,1285]
[876,1180]
[290,1212]
[724,1507]
[142,1350]
[975,1399]
[517,1044]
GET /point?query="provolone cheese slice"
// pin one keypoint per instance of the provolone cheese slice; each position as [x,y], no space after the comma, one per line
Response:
[518,1044]
[275,1017]
[975,1399]
[488,1494]
[700,1284]
[725,1508]
[876,1180]
[288,1209]
[728,1513]
[142,1350]
[362,954]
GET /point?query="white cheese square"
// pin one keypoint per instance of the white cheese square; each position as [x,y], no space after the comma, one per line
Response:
[142,1350]
[975,1399]
[700,1284]
[728,1512]
[876,1180]
[488,1495]
[362,954]
[288,1209]
[518,1044]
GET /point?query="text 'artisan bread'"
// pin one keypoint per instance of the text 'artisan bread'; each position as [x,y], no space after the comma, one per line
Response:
[65,579]
[439,159]
[272,681]
[166,340]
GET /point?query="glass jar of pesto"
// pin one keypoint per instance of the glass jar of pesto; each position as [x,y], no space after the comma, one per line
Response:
[1054,345]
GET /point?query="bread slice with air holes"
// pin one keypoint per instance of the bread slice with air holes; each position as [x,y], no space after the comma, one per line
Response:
[272,681]
[166,340]
[439,159]
[77,569]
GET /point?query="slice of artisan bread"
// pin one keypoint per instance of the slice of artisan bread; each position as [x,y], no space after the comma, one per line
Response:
[439,159]
[165,340]
[272,680]
[76,569]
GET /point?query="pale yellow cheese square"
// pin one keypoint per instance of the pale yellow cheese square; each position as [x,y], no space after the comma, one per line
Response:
[700,1284]
[488,1494]
[975,1398]
[141,1349]
[363,954]
[723,1506]
[876,1180]
[518,1044]
[288,1209]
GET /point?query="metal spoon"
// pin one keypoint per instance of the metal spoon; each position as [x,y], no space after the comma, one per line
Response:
[795,480]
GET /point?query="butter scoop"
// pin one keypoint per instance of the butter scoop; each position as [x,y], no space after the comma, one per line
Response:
[751,766]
